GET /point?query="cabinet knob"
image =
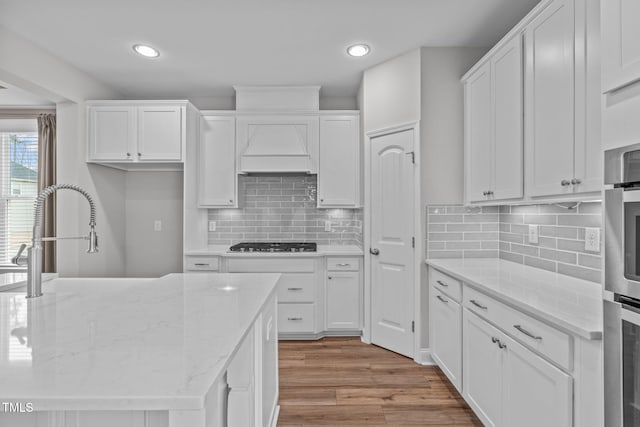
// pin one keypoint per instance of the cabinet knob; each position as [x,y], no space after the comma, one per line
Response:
[139,154]
[230,200]
[128,154]
[576,181]
[565,182]
[489,193]
[330,277]
[322,200]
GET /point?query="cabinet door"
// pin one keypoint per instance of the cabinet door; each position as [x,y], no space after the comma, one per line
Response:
[112,133]
[446,335]
[482,369]
[478,134]
[339,168]
[217,179]
[343,300]
[549,110]
[506,76]
[160,133]
[535,392]
[269,362]
[620,43]
[240,377]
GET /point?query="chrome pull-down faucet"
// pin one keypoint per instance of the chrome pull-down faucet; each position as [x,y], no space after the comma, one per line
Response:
[34,253]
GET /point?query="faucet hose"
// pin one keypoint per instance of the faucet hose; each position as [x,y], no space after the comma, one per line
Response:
[39,204]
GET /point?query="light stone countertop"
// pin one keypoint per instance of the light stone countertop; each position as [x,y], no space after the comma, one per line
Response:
[126,344]
[13,280]
[323,250]
[574,305]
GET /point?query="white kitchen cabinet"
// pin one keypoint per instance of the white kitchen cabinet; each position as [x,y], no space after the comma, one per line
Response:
[136,135]
[445,317]
[339,175]
[217,178]
[507,384]
[241,376]
[478,134]
[343,302]
[621,44]
[269,363]
[562,148]
[493,126]
[482,369]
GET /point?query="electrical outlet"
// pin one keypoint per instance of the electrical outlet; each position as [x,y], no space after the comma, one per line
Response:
[212,226]
[157,225]
[327,226]
[533,233]
[592,239]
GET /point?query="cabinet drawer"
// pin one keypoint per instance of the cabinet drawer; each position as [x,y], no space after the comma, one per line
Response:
[202,263]
[297,288]
[446,284]
[537,335]
[343,264]
[296,317]
[271,264]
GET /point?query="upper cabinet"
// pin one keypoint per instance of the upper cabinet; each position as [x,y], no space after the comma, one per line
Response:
[137,134]
[493,126]
[339,167]
[217,178]
[537,89]
[621,43]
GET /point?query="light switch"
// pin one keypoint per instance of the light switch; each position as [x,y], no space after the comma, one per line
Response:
[212,226]
[592,239]
[327,226]
[533,233]
[157,225]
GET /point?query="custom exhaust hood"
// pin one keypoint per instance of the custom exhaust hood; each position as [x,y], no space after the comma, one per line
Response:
[279,133]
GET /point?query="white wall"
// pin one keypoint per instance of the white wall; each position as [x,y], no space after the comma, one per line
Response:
[27,66]
[392,92]
[153,196]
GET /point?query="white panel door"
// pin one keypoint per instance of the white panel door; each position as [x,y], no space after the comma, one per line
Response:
[343,300]
[549,97]
[506,76]
[339,169]
[217,179]
[482,368]
[478,128]
[446,335]
[535,392]
[112,133]
[392,217]
[620,43]
[160,133]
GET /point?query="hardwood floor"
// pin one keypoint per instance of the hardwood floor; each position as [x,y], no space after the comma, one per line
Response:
[341,381]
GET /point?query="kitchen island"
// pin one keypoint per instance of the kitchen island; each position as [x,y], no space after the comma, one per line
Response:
[196,350]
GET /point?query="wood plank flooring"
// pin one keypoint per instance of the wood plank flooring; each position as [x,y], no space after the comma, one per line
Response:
[341,382]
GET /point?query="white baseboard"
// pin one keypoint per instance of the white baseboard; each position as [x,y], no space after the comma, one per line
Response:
[424,357]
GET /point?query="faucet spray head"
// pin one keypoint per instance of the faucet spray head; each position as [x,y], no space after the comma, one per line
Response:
[93,241]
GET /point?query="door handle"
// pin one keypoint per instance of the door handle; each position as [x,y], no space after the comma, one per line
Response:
[374,251]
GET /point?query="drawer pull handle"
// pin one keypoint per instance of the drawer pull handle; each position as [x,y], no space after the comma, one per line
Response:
[477,304]
[501,345]
[494,340]
[294,318]
[444,300]
[294,289]
[442,283]
[527,333]
[199,264]
[343,264]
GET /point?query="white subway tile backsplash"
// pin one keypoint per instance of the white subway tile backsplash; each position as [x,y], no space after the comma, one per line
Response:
[281,208]
[504,232]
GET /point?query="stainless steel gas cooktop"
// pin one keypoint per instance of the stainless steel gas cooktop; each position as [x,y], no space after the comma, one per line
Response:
[274,247]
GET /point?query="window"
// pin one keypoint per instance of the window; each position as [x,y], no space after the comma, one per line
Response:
[18,189]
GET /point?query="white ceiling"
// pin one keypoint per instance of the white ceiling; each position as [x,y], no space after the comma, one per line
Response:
[14,97]
[209,45]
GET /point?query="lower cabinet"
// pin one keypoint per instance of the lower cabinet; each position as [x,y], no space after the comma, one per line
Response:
[343,296]
[241,375]
[509,385]
[446,335]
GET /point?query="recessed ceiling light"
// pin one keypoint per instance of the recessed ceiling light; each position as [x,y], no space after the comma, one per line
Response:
[145,50]
[358,50]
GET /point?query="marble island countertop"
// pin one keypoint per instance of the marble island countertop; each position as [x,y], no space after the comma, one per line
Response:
[572,304]
[323,250]
[118,344]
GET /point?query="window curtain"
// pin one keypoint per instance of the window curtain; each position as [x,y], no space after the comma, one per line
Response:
[47,177]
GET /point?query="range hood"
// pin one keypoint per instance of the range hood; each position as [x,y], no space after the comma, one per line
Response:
[279,130]
[276,147]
